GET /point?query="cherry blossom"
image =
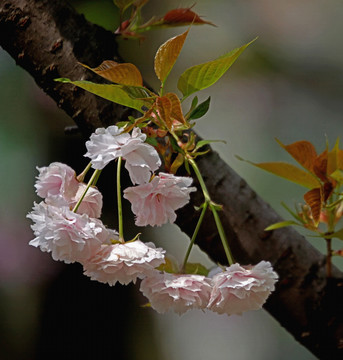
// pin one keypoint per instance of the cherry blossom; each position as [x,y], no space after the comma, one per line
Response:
[177,292]
[123,263]
[57,179]
[68,236]
[91,203]
[240,289]
[155,203]
[108,144]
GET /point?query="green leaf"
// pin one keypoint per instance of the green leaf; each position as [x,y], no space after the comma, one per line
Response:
[200,110]
[280,225]
[197,269]
[337,175]
[151,141]
[202,76]
[167,55]
[288,172]
[203,143]
[123,95]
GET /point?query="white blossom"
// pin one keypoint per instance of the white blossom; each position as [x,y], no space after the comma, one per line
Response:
[155,203]
[123,263]
[108,144]
[68,236]
[56,180]
[240,289]
[177,292]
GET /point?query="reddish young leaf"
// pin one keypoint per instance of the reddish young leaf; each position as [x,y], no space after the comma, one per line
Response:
[176,111]
[183,16]
[320,166]
[314,198]
[303,152]
[164,108]
[289,172]
[125,74]
[167,55]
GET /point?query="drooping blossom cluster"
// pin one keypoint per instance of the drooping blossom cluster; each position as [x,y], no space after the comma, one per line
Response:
[72,231]
[80,236]
[233,291]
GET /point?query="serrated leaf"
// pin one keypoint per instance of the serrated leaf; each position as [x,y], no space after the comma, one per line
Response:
[202,76]
[196,269]
[314,198]
[115,93]
[200,110]
[320,165]
[176,110]
[164,108]
[280,225]
[289,172]
[302,151]
[167,55]
[183,16]
[125,73]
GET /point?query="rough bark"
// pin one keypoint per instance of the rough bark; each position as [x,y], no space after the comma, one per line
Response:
[48,39]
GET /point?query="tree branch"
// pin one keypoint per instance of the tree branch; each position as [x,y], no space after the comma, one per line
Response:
[48,39]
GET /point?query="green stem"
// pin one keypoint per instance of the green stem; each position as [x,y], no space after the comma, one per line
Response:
[81,177]
[90,182]
[120,209]
[222,235]
[201,180]
[208,200]
[201,218]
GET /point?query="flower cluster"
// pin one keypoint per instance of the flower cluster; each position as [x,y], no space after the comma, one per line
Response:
[233,291]
[67,224]
[80,236]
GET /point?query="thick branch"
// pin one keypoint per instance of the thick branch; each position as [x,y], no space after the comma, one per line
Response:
[48,39]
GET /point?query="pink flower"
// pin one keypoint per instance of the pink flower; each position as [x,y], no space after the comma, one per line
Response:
[123,262]
[91,203]
[108,144]
[176,292]
[241,289]
[155,203]
[68,236]
[55,180]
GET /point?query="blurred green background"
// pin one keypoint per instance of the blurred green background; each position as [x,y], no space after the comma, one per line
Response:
[288,85]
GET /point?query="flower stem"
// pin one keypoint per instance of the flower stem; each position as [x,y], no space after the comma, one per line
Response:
[213,208]
[222,235]
[90,182]
[81,177]
[201,218]
[120,209]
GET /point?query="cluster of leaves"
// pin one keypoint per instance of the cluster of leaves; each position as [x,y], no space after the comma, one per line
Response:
[162,118]
[133,26]
[323,175]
